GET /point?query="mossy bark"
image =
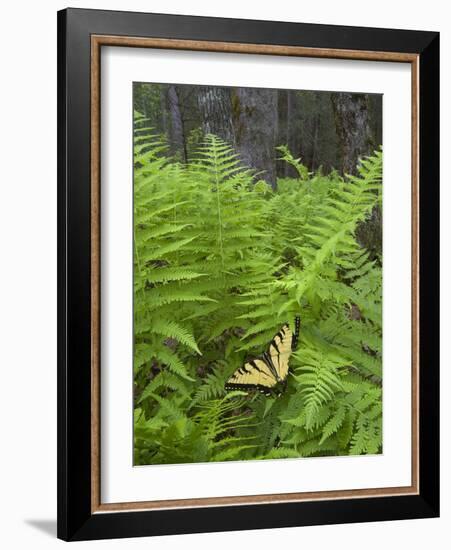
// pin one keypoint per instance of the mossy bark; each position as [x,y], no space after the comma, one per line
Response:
[215,107]
[255,121]
[178,141]
[352,123]
[353,127]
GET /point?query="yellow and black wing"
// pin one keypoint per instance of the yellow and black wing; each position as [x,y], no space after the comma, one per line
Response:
[255,374]
[280,348]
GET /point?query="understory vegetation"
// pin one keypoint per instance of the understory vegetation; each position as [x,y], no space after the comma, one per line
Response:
[221,261]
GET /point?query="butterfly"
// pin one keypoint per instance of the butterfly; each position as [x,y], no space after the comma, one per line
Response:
[268,373]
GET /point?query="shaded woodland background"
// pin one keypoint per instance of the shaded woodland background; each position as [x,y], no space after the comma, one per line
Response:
[327,130]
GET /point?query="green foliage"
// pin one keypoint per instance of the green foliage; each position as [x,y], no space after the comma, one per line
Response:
[302,171]
[220,263]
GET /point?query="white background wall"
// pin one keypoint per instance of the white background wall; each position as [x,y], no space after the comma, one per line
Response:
[28,272]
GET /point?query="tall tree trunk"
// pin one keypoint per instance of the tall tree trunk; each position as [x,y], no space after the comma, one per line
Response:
[291,137]
[289,129]
[282,130]
[163,107]
[255,123]
[215,107]
[353,128]
[352,121]
[177,130]
[315,142]
[287,134]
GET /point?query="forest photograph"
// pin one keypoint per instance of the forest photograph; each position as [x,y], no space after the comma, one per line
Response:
[257,270]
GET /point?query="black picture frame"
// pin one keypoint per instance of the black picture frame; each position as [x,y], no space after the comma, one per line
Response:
[76,521]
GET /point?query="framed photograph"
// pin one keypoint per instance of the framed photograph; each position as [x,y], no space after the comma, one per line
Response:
[248,274]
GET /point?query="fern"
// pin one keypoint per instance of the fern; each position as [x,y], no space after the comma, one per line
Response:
[220,262]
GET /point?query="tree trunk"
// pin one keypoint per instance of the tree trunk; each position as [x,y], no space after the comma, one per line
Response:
[283,130]
[315,142]
[353,128]
[352,121]
[255,123]
[215,107]
[163,107]
[177,130]
[288,129]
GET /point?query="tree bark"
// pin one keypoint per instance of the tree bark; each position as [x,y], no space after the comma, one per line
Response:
[177,130]
[255,122]
[353,128]
[288,138]
[163,107]
[315,142]
[215,107]
[352,119]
